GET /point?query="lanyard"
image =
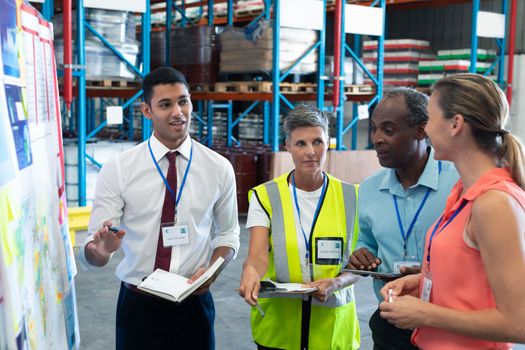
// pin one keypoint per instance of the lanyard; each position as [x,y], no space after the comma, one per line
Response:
[414,220]
[306,242]
[176,199]
[458,210]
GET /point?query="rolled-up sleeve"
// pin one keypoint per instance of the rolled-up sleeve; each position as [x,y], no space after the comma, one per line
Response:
[225,215]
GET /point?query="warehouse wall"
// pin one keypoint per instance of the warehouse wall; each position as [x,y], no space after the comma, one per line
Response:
[448,27]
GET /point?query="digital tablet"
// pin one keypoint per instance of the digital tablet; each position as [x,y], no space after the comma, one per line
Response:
[372,273]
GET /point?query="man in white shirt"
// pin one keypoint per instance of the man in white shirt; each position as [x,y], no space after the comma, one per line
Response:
[174,201]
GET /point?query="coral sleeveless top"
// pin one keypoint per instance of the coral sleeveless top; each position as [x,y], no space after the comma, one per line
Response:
[459,280]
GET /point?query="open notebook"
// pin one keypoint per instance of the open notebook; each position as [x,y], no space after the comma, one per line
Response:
[175,287]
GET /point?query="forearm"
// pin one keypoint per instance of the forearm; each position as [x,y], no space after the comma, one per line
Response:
[346,279]
[488,324]
[259,264]
[227,253]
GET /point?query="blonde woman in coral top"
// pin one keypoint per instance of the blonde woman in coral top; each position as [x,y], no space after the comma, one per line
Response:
[471,291]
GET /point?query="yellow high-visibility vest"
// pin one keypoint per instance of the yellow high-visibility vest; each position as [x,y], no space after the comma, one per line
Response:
[298,322]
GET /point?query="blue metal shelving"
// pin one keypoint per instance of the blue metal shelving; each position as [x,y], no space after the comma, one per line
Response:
[500,59]
[82,102]
[341,128]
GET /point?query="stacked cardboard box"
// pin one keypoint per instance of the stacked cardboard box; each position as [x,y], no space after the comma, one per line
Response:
[452,62]
[400,61]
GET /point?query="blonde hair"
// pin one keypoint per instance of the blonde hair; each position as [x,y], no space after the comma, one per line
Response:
[484,107]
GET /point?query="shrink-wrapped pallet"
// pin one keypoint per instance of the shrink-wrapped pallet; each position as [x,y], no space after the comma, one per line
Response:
[118,28]
[243,54]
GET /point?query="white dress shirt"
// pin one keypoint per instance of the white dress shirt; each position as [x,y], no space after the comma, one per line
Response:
[130,193]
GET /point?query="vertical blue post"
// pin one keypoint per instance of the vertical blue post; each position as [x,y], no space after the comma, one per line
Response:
[266,122]
[210,124]
[210,12]
[146,29]
[183,9]
[167,32]
[81,100]
[503,41]
[230,13]
[381,55]
[355,109]
[48,10]
[276,76]
[474,37]
[267,5]
[340,111]
[321,62]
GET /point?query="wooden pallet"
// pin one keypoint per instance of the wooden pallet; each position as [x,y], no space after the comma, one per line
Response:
[359,89]
[298,88]
[244,86]
[201,87]
[248,12]
[111,83]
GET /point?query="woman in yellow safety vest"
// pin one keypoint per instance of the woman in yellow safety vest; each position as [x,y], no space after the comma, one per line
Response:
[303,227]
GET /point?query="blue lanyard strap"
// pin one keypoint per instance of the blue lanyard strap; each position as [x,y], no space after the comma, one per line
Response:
[317,210]
[414,220]
[411,227]
[176,199]
[458,210]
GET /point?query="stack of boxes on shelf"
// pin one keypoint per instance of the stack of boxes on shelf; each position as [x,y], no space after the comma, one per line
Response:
[401,60]
[193,13]
[118,27]
[251,51]
[453,61]
[195,51]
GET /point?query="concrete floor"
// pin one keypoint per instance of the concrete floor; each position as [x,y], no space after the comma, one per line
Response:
[97,292]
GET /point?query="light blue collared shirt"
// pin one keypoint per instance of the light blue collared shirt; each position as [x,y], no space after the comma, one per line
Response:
[379,230]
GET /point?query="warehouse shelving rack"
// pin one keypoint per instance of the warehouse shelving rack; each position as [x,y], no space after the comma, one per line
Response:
[82,105]
[271,111]
[271,101]
[498,63]
[341,48]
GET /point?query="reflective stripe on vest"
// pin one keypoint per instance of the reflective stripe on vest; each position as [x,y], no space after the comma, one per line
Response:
[278,235]
[280,256]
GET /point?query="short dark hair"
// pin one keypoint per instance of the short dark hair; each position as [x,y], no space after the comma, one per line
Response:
[161,76]
[416,104]
[304,115]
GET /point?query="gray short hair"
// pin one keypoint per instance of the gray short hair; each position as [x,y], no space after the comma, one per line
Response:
[416,103]
[303,115]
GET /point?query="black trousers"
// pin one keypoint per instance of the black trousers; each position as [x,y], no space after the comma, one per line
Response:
[148,322]
[386,336]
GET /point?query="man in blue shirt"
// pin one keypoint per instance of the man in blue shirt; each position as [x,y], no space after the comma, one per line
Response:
[398,204]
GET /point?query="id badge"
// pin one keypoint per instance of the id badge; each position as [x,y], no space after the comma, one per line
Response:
[175,234]
[427,288]
[410,262]
[329,250]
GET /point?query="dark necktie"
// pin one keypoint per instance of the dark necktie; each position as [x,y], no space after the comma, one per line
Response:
[163,257]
